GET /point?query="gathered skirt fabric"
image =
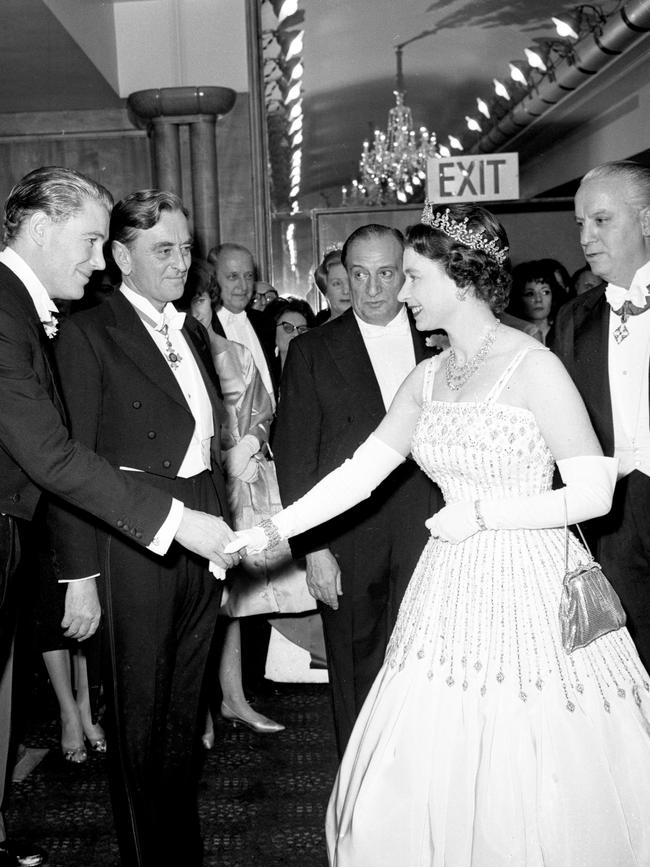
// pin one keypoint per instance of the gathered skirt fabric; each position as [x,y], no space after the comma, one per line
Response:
[482,743]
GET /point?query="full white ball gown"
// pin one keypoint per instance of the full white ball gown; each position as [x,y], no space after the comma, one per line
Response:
[482,742]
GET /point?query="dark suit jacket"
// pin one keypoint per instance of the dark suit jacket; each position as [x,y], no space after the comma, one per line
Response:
[264,328]
[330,402]
[36,451]
[581,340]
[124,402]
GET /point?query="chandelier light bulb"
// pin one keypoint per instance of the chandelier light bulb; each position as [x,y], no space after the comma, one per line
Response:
[295,46]
[294,191]
[289,7]
[483,107]
[473,124]
[297,72]
[444,151]
[563,29]
[517,75]
[455,143]
[500,89]
[296,140]
[534,60]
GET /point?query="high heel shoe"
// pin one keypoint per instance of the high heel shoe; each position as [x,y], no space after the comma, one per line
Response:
[263,725]
[95,737]
[75,755]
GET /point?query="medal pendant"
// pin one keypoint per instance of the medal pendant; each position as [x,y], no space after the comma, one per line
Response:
[621,332]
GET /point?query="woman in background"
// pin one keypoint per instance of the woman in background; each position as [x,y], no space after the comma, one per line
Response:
[332,280]
[292,316]
[244,440]
[536,297]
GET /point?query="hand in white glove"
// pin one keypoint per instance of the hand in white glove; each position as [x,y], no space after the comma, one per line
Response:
[454,523]
[253,540]
[250,472]
[237,458]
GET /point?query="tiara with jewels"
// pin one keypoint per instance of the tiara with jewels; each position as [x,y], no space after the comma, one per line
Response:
[459,232]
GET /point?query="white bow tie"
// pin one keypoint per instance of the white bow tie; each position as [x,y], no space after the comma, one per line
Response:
[617,296]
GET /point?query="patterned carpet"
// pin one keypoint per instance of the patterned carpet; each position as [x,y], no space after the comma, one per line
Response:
[262,797]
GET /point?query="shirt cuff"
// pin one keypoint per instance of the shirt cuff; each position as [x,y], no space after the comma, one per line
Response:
[75,580]
[165,535]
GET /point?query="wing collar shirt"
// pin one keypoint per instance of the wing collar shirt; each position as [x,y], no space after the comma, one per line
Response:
[191,383]
[628,363]
[187,374]
[237,327]
[391,352]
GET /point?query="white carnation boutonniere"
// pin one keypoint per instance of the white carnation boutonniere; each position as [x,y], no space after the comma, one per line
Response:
[51,327]
[438,341]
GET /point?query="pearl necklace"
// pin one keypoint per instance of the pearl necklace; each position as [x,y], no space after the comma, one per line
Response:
[457,375]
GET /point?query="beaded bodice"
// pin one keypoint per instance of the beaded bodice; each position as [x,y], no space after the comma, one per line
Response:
[482,614]
[481,449]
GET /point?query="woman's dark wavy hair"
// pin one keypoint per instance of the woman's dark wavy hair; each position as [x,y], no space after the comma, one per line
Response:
[201,279]
[470,269]
[536,271]
[290,304]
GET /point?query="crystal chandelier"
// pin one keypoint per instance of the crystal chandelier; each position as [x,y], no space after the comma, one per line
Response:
[393,167]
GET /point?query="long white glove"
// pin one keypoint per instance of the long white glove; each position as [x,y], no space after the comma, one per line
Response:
[238,458]
[341,489]
[589,487]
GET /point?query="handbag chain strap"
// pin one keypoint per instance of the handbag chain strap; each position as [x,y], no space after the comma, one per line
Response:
[566,538]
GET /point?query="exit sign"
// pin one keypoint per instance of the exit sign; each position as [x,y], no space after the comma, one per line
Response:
[473,178]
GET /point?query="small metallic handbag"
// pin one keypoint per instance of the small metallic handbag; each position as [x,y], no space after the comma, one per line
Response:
[589,606]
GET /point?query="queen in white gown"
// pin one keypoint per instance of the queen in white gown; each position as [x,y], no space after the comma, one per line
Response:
[483,743]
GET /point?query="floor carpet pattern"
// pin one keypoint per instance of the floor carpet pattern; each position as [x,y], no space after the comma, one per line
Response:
[262,797]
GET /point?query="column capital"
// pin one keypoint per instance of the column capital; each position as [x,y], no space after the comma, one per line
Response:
[181,102]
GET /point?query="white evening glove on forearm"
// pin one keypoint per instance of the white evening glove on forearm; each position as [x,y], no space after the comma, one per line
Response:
[237,459]
[589,487]
[341,489]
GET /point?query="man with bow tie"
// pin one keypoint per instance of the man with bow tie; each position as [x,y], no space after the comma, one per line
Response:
[55,223]
[235,272]
[603,337]
[339,379]
[140,388]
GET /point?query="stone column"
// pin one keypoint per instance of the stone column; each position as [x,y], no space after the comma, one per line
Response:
[205,189]
[164,112]
[166,146]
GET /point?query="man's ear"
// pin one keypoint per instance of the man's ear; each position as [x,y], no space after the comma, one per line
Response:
[645,221]
[122,257]
[38,227]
